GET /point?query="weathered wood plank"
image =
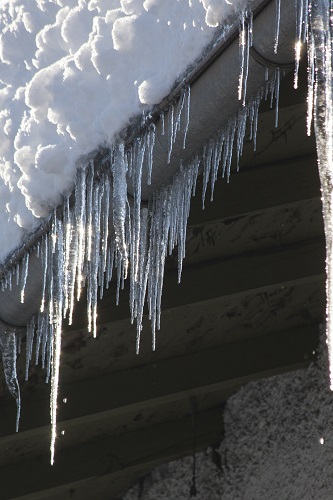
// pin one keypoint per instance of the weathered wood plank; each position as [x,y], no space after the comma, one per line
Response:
[259,188]
[283,225]
[268,269]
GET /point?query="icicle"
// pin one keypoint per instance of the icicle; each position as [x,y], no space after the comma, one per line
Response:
[47,348]
[37,248]
[169,214]
[206,157]
[162,122]
[67,221]
[79,251]
[8,347]
[17,272]
[49,335]
[29,344]
[254,114]
[249,42]
[119,201]
[89,209]
[42,336]
[73,252]
[44,266]
[40,331]
[301,7]
[228,147]
[110,262]
[53,231]
[67,243]
[277,24]
[138,157]
[129,157]
[273,86]
[186,191]
[241,129]
[298,47]
[118,261]
[217,153]
[105,232]
[242,38]
[176,125]
[157,253]
[57,327]
[139,286]
[19,336]
[321,36]
[277,96]
[151,144]
[95,262]
[174,119]
[24,275]
[80,215]
[311,82]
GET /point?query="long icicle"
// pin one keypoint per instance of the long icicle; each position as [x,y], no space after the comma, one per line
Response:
[8,348]
[321,39]
[58,271]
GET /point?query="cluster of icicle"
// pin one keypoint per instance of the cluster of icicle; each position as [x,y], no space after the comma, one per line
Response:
[101,231]
[104,232]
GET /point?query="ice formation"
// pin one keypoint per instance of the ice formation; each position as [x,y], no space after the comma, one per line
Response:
[9,346]
[101,230]
[320,71]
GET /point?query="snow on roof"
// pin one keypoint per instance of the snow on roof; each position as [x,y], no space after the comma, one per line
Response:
[72,74]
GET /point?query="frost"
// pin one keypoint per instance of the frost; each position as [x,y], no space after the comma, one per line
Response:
[24,275]
[320,40]
[87,243]
[9,341]
[245,42]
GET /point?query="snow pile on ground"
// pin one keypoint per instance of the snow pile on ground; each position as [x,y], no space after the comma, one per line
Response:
[278,444]
[72,74]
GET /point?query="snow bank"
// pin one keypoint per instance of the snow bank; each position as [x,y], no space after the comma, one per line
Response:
[72,74]
[278,444]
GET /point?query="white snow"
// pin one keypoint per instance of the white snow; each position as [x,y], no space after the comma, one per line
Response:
[72,74]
